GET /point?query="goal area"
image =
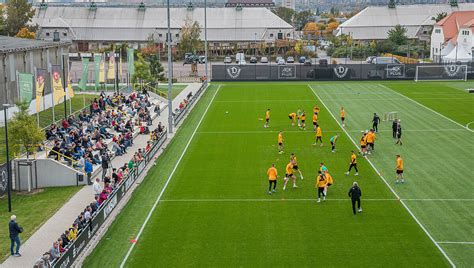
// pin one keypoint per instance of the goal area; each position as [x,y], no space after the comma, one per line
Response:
[446,72]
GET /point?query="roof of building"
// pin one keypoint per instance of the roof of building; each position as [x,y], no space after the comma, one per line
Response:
[373,22]
[250,2]
[12,44]
[130,23]
[453,22]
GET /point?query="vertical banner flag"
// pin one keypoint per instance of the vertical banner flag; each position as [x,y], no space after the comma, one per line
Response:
[102,70]
[25,83]
[111,69]
[97,58]
[58,90]
[130,62]
[70,90]
[120,65]
[85,74]
[40,78]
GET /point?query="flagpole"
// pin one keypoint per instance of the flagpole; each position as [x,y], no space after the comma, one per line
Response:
[36,99]
[68,82]
[205,36]
[170,75]
[52,91]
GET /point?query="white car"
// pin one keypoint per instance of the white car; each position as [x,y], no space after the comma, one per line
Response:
[227,60]
[281,61]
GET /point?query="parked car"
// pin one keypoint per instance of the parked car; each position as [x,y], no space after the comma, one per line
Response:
[263,60]
[385,60]
[290,60]
[202,59]
[278,59]
[302,59]
[227,60]
[369,59]
[253,60]
[308,62]
[323,62]
[281,61]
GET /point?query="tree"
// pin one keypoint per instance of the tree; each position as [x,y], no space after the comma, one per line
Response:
[142,71]
[19,14]
[2,21]
[190,40]
[311,28]
[331,27]
[302,18]
[439,16]
[285,13]
[24,132]
[25,33]
[397,35]
[156,69]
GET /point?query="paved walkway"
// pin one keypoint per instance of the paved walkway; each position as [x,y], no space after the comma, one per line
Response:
[42,240]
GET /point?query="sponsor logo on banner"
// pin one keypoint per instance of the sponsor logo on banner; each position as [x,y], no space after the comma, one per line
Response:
[341,71]
[3,179]
[395,70]
[110,206]
[452,70]
[233,72]
[286,72]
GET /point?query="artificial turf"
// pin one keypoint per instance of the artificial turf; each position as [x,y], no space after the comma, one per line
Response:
[215,211]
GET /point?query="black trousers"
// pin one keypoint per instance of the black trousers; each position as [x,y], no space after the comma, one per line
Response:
[354,200]
[333,146]
[375,127]
[353,165]
[270,185]
[320,191]
[394,133]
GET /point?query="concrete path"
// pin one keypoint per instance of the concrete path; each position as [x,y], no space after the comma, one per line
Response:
[42,240]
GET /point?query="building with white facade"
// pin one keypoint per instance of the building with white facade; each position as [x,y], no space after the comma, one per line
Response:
[452,39]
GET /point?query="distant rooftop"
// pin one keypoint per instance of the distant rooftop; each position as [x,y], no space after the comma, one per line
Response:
[12,44]
[250,3]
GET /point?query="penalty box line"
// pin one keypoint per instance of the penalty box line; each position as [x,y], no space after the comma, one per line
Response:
[158,198]
[386,183]
[219,200]
[312,131]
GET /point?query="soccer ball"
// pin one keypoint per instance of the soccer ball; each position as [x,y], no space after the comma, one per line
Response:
[226,112]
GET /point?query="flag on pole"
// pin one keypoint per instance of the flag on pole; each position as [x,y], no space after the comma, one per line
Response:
[97,59]
[102,70]
[120,65]
[85,74]
[130,62]
[58,90]
[40,76]
[111,69]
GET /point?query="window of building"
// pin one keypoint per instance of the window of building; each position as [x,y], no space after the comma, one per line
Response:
[288,35]
[64,34]
[177,35]
[47,34]
[437,31]
[160,35]
[280,35]
[271,35]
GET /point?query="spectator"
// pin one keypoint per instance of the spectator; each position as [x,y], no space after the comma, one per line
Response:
[96,187]
[88,213]
[15,231]
[60,246]
[102,197]
[65,238]
[105,164]
[131,164]
[88,169]
[72,234]
[94,206]
[54,252]
[43,262]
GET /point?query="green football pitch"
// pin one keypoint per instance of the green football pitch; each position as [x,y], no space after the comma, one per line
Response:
[205,203]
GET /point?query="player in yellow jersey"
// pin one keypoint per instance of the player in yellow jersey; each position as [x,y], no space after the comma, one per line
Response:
[303,120]
[370,139]
[321,184]
[280,142]
[316,110]
[267,119]
[353,164]
[329,181]
[319,136]
[315,121]
[343,116]
[399,169]
[289,175]
[295,165]
[363,144]
[272,179]
[292,117]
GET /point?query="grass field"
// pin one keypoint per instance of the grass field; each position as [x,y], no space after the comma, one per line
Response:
[214,211]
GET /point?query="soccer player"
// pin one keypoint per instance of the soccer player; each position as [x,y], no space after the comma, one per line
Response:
[399,133]
[315,121]
[363,144]
[333,142]
[329,181]
[295,165]
[370,138]
[298,115]
[343,116]
[272,179]
[267,119]
[375,122]
[289,175]
[322,168]
[319,136]
[321,185]
[394,128]
[353,164]
[316,110]
[280,142]
[399,169]
[355,193]
[292,117]
[303,120]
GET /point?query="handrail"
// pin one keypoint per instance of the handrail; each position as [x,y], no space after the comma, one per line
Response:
[63,156]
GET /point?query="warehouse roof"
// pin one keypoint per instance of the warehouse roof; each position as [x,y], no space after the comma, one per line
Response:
[12,44]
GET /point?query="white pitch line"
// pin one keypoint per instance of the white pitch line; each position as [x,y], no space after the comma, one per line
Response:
[270,200]
[429,109]
[455,242]
[388,185]
[167,182]
[438,199]
[312,131]
[247,101]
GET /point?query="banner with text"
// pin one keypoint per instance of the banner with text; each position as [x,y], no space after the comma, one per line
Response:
[111,69]
[40,78]
[58,90]
[85,73]
[25,83]
[130,62]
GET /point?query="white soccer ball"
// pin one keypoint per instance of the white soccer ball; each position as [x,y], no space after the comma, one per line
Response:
[226,112]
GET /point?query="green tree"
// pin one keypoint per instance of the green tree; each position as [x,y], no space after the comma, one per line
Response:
[190,40]
[398,35]
[23,131]
[2,21]
[142,71]
[285,13]
[439,16]
[156,69]
[19,14]
[302,18]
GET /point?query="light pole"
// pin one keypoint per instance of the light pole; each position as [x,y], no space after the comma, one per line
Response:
[205,36]
[9,181]
[170,75]
[255,45]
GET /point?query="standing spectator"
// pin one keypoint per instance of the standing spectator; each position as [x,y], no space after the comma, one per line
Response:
[394,128]
[88,168]
[105,164]
[355,193]
[96,187]
[15,230]
[54,252]
[88,213]
[399,133]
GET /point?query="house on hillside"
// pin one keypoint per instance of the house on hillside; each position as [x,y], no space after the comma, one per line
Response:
[452,39]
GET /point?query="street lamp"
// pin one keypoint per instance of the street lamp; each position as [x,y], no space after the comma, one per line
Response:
[9,181]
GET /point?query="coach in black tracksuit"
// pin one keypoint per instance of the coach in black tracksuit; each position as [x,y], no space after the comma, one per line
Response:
[394,128]
[355,193]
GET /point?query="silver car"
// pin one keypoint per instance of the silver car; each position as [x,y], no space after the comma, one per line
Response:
[227,60]
[264,60]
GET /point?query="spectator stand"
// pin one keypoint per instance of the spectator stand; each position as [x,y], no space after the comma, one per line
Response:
[179,113]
